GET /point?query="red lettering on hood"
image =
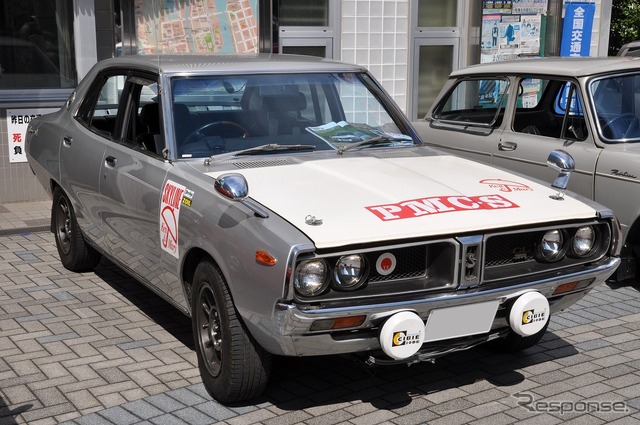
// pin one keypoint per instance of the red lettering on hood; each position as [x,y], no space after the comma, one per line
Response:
[438,205]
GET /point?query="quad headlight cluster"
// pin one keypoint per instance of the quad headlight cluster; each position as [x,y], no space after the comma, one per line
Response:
[557,243]
[313,277]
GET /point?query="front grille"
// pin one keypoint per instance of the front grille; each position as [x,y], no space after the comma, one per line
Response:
[417,267]
[511,248]
[513,254]
[411,262]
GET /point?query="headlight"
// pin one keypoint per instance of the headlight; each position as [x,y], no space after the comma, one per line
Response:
[583,241]
[350,272]
[311,277]
[552,246]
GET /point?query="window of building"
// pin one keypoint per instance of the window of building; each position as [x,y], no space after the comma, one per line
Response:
[436,44]
[304,27]
[36,45]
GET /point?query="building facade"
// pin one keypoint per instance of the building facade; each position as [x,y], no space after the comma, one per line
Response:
[47,46]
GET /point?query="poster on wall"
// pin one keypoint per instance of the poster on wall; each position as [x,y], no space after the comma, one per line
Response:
[17,122]
[196,26]
[538,7]
[509,36]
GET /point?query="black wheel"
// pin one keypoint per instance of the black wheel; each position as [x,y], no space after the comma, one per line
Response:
[232,364]
[75,254]
[514,342]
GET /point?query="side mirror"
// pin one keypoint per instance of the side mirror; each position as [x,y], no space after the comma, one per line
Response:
[564,164]
[234,186]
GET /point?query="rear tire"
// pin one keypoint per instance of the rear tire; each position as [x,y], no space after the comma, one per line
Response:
[75,254]
[232,364]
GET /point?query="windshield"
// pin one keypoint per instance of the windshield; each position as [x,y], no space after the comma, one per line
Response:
[224,114]
[617,106]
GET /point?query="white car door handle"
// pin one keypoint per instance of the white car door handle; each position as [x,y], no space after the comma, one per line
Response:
[110,161]
[67,140]
[507,146]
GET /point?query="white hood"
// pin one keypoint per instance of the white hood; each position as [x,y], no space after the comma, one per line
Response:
[367,199]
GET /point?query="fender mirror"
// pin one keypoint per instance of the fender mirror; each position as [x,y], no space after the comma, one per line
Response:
[564,164]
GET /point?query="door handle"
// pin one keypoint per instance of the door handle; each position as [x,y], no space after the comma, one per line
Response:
[507,146]
[67,140]
[110,161]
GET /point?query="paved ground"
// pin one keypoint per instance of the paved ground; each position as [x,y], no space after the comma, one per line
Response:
[98,348]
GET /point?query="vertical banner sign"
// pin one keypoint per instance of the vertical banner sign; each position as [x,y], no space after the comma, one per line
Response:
[17,122]
[576,29]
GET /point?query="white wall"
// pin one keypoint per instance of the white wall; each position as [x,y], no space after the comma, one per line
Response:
[375,34]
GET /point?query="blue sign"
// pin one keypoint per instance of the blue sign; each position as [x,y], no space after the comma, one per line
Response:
[576,30]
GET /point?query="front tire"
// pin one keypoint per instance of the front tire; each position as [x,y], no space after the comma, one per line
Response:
[232,364]
[75,254]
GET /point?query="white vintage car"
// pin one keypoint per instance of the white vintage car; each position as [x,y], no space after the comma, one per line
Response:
[288,207]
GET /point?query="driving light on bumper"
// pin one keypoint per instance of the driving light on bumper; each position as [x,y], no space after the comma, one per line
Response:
[350,272]
[311,277]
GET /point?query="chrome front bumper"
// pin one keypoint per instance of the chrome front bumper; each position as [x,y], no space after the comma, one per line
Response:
[291,334]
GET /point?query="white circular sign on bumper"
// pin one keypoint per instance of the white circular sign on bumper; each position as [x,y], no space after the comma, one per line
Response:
[529,314]
[402,335]
[386,264]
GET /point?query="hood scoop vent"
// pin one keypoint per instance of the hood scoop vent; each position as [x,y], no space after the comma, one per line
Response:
[261,163]
[396,153]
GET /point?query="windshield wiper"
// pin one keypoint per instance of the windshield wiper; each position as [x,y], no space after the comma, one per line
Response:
[262,149]
[380,140]
[274,147]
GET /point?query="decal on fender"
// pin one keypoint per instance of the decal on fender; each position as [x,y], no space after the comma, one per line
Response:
[172,196]
[187,197]
[438,205]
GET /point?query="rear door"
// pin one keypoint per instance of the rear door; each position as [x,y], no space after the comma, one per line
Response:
[84,142]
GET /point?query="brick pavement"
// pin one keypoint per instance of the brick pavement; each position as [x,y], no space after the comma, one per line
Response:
[98,348]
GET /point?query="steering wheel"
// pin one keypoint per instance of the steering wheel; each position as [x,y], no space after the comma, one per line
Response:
[621,125]
[236,131]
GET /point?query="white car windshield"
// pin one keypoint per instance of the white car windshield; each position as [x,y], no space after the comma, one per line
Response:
[331,111]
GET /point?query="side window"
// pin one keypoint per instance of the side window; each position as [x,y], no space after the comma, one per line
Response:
[100,108]
[143,121]
[549,108]
[478,102]
[569,105]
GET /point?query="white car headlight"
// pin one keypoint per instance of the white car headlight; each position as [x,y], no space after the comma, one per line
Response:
[552,246]
[583,241]
[350,272]
[311,277]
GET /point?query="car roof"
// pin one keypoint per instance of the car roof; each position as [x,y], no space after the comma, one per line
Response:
[562,66]
[218,63]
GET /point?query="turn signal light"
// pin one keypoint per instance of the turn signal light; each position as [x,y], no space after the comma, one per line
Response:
[572,286]
[339,323]
[263,257]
